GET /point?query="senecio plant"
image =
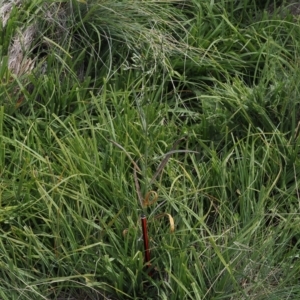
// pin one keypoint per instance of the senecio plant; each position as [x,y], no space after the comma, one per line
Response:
[186,112]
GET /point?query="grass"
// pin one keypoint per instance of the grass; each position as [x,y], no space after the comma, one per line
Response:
[196,101]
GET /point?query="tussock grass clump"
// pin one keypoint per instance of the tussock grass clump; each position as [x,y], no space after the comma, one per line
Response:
[106,101]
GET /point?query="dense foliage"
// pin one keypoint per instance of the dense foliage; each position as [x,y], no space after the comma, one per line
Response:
[103,101]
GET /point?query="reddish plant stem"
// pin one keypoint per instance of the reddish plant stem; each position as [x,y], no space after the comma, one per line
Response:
[146,239]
